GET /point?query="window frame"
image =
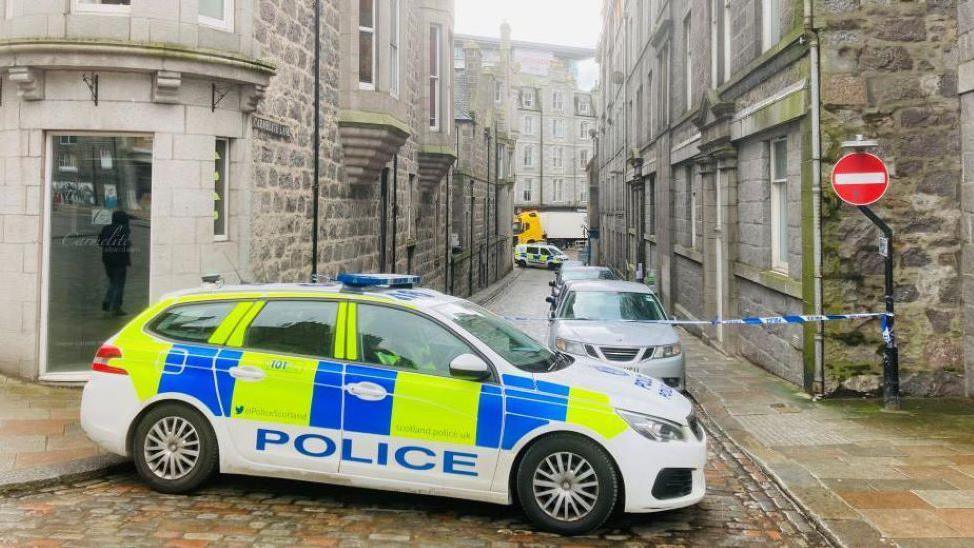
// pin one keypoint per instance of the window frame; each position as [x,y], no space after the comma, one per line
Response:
[494,377]
[395,30]
[726,28]
[778,191]
[78,6]
[527,97]
[528,157]
[435,79]
[688,60]
[225,209]
[770,24]
[527,189]
[370,86]
[225,24]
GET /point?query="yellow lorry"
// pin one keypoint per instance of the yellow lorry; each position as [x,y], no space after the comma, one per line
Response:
[527,228]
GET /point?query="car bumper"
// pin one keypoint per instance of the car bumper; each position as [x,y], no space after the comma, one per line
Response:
[108,406]
[661,476]
[670,370]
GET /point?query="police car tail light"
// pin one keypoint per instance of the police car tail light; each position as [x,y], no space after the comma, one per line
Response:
[105,353]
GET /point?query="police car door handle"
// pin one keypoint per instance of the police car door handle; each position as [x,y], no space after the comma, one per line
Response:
[247,373]
[368,391]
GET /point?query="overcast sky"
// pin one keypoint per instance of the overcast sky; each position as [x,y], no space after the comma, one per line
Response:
[563,22]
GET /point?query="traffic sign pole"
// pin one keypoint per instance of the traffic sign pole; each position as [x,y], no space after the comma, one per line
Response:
[891,364]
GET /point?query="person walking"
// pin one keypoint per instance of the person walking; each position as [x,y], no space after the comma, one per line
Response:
[115,241]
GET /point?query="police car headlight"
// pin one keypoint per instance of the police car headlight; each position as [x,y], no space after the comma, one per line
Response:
[570,347]
[670,350]
[654,428]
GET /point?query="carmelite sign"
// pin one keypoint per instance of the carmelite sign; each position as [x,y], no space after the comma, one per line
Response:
[272,127]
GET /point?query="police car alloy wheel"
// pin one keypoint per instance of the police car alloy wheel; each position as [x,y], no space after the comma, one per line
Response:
[174,449]
[567,484]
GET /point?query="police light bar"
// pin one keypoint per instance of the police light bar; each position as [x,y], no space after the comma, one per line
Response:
[379,280]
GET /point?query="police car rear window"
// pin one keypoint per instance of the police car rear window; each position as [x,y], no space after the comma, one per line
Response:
[191,322]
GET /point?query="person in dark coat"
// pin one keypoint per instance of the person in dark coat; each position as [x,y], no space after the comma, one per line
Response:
[115,241]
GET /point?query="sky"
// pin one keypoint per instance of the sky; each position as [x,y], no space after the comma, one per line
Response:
[563,22]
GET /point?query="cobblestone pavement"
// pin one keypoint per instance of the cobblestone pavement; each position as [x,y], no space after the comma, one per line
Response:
[742,507]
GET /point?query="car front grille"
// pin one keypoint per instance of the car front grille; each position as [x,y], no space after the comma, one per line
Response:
[673,483]
[620,354]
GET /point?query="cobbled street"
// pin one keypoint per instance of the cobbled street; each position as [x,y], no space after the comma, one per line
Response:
[742,506]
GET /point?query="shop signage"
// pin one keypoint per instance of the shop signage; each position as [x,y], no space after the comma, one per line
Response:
[270,126]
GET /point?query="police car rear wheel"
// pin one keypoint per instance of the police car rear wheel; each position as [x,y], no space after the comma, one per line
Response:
[174,449]
[522,264]
[567,484]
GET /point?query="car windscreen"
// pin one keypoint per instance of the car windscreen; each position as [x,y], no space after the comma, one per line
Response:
[555,251]
[611,305]
[512,344]
[587,274]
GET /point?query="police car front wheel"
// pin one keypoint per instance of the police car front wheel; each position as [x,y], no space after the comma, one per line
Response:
[174,448]
[567,484]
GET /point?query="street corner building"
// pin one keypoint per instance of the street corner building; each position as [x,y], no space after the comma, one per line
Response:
[718,129]
[148,143]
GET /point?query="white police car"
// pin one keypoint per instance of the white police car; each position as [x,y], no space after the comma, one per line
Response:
[372,383]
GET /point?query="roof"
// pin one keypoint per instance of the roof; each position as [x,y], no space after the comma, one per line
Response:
[610,285]
[430,296]
[571,52]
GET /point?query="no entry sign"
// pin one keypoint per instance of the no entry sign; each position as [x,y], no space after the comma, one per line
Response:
[860,179]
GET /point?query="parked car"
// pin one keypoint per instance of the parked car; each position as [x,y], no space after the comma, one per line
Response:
[539,255]
[573,273]
[373,383]
[604,320]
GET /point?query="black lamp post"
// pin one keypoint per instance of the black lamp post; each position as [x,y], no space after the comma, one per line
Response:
[315,190]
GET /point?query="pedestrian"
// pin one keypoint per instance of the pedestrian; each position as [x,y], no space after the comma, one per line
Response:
[115,241]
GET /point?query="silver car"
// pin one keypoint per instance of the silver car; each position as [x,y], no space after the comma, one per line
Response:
[601,319]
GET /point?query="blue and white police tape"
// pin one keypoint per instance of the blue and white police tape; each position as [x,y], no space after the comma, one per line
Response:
[769,320]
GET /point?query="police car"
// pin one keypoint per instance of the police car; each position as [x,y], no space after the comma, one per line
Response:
[371,382]
[543,255]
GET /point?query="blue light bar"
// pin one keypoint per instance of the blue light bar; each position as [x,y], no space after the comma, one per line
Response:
[379,280]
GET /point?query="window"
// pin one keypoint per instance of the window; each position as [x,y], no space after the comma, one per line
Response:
[192,322]
[557,101]
[638,126]
[502,167]
[608,306]
[652,204]
[306,328]
[559,188]
[217,14]
[583,158]
[688,61]
[583,105]
[527,98]
[104,6]
[366,44]
[779,204]
[403,340]
[558,128]
[528,123]
[498,91]
[434,60]
[526,189]
[394,48]
[664,87]
[692,206]
[557,157]
[221,207]
[770,23]
[727,40]
[714,41]
[528,156]
[583,129]
[650,116]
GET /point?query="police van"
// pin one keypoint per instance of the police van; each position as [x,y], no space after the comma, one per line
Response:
[372,382]
[541,254]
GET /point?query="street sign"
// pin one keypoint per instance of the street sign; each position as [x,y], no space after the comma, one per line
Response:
[860,179]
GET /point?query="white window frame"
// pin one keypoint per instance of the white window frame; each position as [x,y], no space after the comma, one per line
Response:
[526,189]
[106,9]
[779,215]
[226,191]
[692,191]
[528,124]
[557,157]
[559,189]
[435,78]
[727,41]
[527,98]
[558,128]
[395,30]
[557,101]
[225,24]
[583,105]
[358,41]
[688,60]
[715,43]
[527,158]
[770,24]
[583,158]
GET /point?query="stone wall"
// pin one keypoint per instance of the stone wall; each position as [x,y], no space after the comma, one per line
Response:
[688,286]
[889,73]
[776,348]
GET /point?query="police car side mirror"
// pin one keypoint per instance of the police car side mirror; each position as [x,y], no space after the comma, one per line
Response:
[551,283]
[469,367]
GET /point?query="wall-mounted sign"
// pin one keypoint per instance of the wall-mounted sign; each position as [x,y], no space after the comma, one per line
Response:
[270,126]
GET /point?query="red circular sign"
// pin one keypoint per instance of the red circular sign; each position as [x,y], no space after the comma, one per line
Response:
[860,179]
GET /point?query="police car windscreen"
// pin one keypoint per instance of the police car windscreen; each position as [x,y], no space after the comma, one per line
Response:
[515,346]
[610,305]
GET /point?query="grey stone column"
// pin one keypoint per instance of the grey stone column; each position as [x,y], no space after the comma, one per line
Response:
[727,233]
[711,232]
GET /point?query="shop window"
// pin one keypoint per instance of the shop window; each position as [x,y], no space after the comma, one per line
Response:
[366,44]
[217,14]
[221,190]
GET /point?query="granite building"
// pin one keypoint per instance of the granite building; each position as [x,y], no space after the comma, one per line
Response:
[549,115]
[195,118]
[722,120]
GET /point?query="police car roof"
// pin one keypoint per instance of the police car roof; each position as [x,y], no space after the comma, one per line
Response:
[269,289]
[609,285]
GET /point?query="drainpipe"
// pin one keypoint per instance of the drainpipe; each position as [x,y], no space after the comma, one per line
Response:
[816,189]
[395,207]
[316,147]
[383,228]
[446,252]
[486,213]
